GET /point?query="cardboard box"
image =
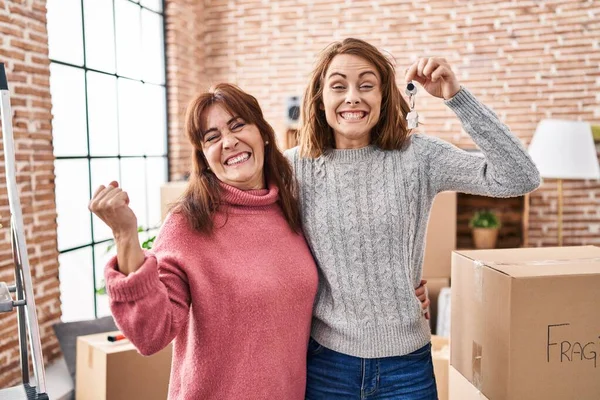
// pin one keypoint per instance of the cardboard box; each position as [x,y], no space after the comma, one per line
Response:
[459,388]
[440,239]
[169,194]
[526,322]
[116,371]
[434,287]
[440,353]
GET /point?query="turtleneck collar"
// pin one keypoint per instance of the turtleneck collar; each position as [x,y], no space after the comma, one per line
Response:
[351,155]
[233,196]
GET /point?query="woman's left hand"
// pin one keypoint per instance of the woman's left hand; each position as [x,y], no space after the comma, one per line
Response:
[435,75]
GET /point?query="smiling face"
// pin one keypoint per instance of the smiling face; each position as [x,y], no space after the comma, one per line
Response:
[351,100]
[233,149]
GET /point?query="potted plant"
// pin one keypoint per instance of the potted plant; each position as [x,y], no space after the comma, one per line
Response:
[485,226]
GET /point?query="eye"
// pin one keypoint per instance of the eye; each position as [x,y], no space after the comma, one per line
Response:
[212,137]
[338,86]
[366,86]
[237,126]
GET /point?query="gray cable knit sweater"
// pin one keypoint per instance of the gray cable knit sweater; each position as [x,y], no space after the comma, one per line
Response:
[365,212]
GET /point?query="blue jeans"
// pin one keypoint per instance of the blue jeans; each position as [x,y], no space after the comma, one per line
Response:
[333,376]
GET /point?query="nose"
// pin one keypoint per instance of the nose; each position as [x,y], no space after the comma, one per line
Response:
[230,141]
[352,97]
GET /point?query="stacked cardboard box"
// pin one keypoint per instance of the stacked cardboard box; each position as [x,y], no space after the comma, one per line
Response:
[440,354]
[170,192]
[526,322]
[115,370]
[460,388]
[440,241]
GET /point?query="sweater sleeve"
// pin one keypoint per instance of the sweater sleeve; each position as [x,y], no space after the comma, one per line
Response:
[151,305]
[505,170]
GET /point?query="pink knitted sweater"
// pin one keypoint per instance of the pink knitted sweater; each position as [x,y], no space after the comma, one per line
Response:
[237,304]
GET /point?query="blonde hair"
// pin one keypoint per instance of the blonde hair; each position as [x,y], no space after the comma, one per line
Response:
[390,132]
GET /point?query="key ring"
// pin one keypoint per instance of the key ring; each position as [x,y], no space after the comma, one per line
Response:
[411,91]
[412,118]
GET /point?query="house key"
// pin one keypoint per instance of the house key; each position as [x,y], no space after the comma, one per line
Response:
[412,118]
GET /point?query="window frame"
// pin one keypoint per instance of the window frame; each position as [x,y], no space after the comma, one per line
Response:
[165,156]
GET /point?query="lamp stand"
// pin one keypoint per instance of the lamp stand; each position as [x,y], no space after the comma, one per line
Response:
[560,211]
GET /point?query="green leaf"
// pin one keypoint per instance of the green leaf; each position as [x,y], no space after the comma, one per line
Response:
[101,289]
[111,245]
[148,243]
[485,219]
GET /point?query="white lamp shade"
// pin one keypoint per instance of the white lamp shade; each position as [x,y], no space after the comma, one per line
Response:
[564,150]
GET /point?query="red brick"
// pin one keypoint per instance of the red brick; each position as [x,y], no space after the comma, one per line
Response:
[29,14]
[29,46]
[11,54]
[38,38]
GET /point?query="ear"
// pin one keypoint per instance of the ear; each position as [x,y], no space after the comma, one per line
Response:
[321,107]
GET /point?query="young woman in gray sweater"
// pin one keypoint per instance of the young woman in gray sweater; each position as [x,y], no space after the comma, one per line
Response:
[366,186]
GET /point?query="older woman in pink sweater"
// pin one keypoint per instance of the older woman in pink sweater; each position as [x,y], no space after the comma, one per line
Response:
[230,279]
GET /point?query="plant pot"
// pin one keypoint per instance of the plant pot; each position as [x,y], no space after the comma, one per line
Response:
[485,238]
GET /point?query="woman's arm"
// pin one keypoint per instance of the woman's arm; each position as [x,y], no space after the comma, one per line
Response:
[111,204]
[151,305]
[503,169]
[149,294]
[130,255]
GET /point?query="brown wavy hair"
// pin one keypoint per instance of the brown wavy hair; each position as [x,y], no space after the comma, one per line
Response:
[202,196]
[391,131]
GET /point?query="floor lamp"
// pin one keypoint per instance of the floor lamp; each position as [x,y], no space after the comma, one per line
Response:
[564,150]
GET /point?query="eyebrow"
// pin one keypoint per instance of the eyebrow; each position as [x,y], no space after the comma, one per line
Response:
[214,129]
[359,75]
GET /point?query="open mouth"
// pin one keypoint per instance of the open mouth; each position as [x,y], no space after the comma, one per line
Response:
[237,159]
[353,115]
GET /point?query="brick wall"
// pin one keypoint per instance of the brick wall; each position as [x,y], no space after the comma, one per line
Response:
[528,60]
[185,74]
[24,50]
